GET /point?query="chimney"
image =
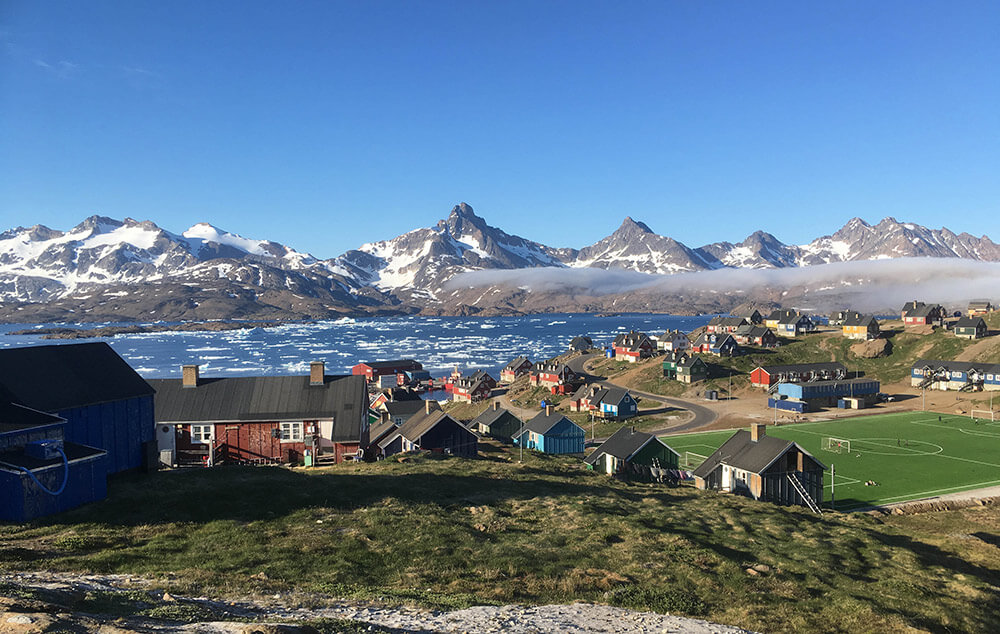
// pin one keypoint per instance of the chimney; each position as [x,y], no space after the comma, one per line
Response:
[548,410]
[427,407]
[756,431]
[189,376]
[496,405]
[317,369]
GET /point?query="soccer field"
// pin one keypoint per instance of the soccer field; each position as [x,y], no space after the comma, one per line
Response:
[910,455]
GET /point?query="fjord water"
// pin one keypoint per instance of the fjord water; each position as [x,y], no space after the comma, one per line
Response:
[440,343]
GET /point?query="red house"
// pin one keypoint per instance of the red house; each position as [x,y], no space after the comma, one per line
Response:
[920,314]
[557,376]
[514,369]
[633,346]
[256,420]
[371,370]
[475,388]
[766,376]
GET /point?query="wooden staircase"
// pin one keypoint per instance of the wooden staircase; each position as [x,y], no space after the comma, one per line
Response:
[797,485]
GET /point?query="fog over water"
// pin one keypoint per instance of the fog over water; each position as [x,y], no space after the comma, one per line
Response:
[869,285]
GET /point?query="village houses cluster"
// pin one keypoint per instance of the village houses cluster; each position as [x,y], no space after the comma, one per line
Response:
[71,415]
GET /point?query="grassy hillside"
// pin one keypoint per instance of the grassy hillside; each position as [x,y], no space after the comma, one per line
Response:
[453,532]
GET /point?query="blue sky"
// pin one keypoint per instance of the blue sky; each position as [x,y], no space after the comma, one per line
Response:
[324,125]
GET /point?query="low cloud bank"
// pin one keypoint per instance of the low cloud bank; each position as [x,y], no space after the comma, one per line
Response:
[867,285]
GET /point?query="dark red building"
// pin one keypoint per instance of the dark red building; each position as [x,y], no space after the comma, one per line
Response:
[374,369]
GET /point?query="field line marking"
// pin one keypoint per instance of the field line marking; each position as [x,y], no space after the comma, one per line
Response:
[915,451]
[971,432]
[962,487]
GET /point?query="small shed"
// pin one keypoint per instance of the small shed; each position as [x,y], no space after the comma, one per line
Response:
[631,452]
[497,422]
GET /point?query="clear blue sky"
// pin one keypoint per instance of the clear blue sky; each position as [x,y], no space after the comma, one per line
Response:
[324,125]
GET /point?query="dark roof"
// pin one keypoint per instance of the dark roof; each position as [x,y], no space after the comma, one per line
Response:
[404,408]
[516,363]
[804,367]
[490,416]
[622,444]
[924,310]
[792,319]
[857,319]
[753,331]
[961,366]
[908,306]
[727,321]
[542,423]
[377,432]
[970,322]
[742,453]
[719,339]
[14,417]
[581,343]
[60,377]
[779,313]
[689,362]
[419,424]
[264,399]
[404,364]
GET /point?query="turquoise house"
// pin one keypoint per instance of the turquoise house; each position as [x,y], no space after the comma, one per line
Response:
[551,433]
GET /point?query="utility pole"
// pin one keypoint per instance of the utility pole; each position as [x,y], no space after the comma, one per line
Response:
[833,486]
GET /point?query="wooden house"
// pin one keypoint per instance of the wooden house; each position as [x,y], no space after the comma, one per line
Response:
[262,419]
[104,402]
[981,307]
[962,376]
[473,388]
[970,328]
[581,343]
[398,412]
[632,453]
[551,375]
[514,369]
[726,324]
[766,376]
[552,433]
[497,422]
[431,430]
[760,336]
[683,367]
[765,468]
[778,314]
[857,326]
[633,346]
[721,345]
[372,370]
[673,341]
[920,314]
[751,314]
[794,325]
[40,472]
[837,317]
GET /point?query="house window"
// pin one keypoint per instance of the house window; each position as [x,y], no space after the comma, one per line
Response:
[291,432]
[201,434]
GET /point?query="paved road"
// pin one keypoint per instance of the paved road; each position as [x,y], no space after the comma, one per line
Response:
[702,415]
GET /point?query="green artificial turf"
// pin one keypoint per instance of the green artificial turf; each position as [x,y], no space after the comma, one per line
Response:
[909,455]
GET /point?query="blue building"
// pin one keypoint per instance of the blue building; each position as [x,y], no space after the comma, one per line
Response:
[553,433]
[809,396]
[105,404]
[41,473]
[963,376]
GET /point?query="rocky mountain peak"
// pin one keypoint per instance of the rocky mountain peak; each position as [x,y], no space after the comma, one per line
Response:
[97,224]
[463,220]
[633,226]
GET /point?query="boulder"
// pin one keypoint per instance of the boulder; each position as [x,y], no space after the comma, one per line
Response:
[874,349]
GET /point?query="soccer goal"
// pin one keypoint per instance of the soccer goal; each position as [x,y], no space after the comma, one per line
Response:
[836,445]
[692,459]
[983,414]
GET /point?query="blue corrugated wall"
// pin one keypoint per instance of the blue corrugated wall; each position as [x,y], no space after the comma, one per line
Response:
[21,500]
[118,427]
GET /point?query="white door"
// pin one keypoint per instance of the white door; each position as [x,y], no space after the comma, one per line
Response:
[609,464]
[727,479]
[166,442]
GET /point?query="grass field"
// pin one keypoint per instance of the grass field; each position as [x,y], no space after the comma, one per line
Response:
[910,455]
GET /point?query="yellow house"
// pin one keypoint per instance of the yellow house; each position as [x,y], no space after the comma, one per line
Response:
[861,327]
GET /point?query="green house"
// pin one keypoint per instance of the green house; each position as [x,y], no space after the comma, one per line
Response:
[970,328]
[631,452]
[692,370]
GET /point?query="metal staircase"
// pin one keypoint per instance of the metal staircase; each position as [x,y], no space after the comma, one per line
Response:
[797,485]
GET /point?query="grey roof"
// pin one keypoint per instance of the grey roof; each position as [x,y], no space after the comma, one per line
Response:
[404,408]
[516,363]
[581,343]
[727,321]
[742,453]
[379,431]
[420,424]
[753,331]
[690,362]
[60,377]
[924,310]
[961,366]
[266,398]
[542,423]
[970,322]
[908,306]
[720,339]
[490,416]
[792,319]
[857,319]
[780,313]
[623,444]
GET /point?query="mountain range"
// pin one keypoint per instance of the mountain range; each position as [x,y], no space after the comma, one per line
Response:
[110,270]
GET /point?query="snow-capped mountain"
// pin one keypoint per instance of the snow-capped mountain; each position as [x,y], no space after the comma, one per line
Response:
[105,269]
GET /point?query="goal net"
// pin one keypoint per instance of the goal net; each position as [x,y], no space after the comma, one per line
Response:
[836,445]
[985,414]
[692,459]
